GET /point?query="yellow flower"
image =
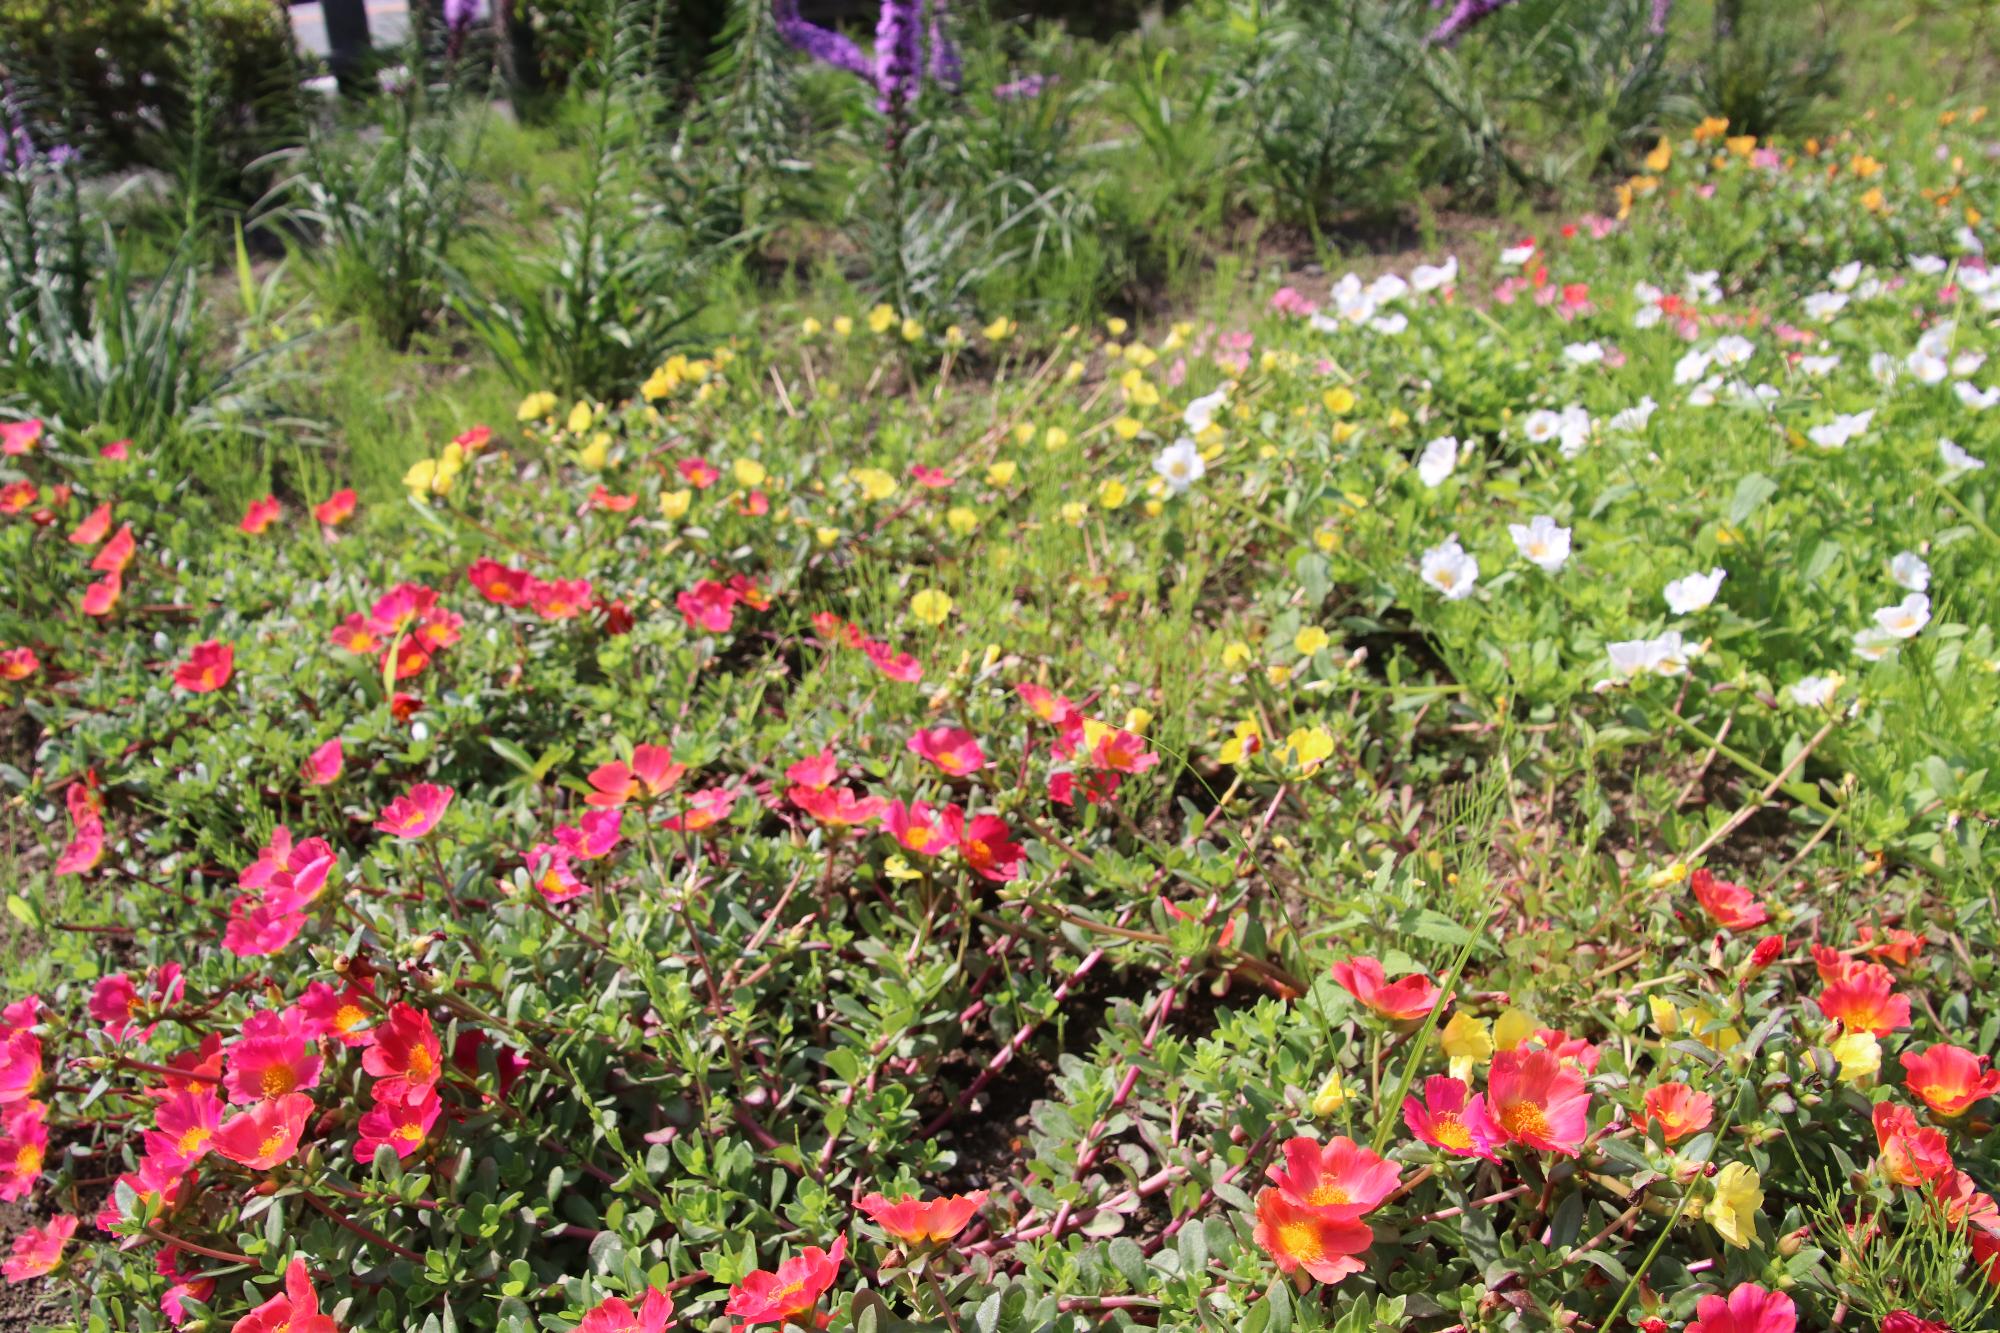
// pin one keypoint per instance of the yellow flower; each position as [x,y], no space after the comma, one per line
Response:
[1466,1041]
[895,867]
[1116,327]
[1666,1018]
[1073,372]
[880,318]
[657,386]
[1332,1095]
[1235,654]
[535,406]
[1860,1056]
[1310,640]
[874,482]
[1137,720]
[1024,432]
[1002,473]
[826,536]
[1054,438]
[1339,400]
[999,330]
[674,504]
[421,479]
[912,330]
[1111,493]
[1126,428]
[931,606]
[1711,127]
[1873,200]
[843,325]
[1733,1209]
[810,327]
[1513,1027]
[1308,747]
[580,418]
[1709,1029]
[954,336]
[1662,155]
[1247,741]
[748,472]
[1154,508]
[1278,673]
[1740,144]
[591,457]
[961,520]
[1075,512]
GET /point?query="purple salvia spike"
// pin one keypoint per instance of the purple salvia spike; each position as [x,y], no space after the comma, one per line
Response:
[822,44]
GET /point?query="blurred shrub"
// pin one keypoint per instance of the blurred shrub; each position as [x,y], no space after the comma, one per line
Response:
[1765,71]
[115,76]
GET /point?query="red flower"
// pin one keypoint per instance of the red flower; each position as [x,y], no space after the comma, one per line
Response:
[356,634]
[704,810]
[186,1122]
[1445,1119]
[323,765]
[815,771]
[294,1310]
[498,583]
[548,868]
[402,1124]
[913,1221]
[930,478]
[560,599]
[38,1251]
[595,835]
[1313,1239]
[776,1298]
[19,437]
[1902,1321]
[416,813]
[260,515]
[917,828]
[91,531]
[24,1146]
[611,504]
[896,666]
[1747,1309]
[473,438]
[273,1058]
[116,1003]
[1340,1179]
[1865,1001]
[1051,708]
[337,508]
[1948,1079]
[1900,947]
[346,1016]
[1538,1101]
[700,473]
[116,554]
[406,1054]
[954,750]
[1400,1001]
[708,605]
[266,1134]
[616,1316]
[18,663]
[207,669]
[652,773]
[983,844]
[1767,951]
[1730,906]
[838,806]
[1909,1155]
[117,451]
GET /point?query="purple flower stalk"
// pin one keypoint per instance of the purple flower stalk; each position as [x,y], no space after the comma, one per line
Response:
[909,46]
[898,71]
[1020,89]
[459,14]
[1661,9]
[822,44]
[1463,17]
[943,64]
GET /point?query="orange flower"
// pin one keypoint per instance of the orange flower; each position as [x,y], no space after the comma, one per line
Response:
[1677,1109]
[1313,1239]
[1538,1101]
[1909,1155]
[1898,946]
[1865,1001]
[1730,906]
[911,1220]
[1341,1179]
[1949,1079]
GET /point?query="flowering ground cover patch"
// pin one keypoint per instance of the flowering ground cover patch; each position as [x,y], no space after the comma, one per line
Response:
[1455,800]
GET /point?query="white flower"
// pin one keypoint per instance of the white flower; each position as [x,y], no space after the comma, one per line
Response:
[1695,591]
[1540,426]
[1390,288]
[1634,418]
[1705,287]
[1908,570]
[1823,306]
[1180,465]
[1584,353]
[1324,323]
[1645,293]
[1928,367]
[1843,428]
[1957,459]
[1516,255]
[1761,395]
[1390,325]
[1691,367]
[1883,367]
[1541,542]
[1646,316]
[1815,691]
[1979,281]
[1967,364]
[1201,412]
[1630,657]
[1450,569]
[1872,645]
[1439,457]
[1846,276]
[1928,266]
[1733,349]
[1905,618]
[1968,241]
[1430,277]
[1703,394]
[1817,366]
[1976,399]
[1665,656]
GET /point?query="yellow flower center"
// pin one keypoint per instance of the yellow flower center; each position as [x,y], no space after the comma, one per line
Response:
[1524,1120]
[277,1080]
[1325,1195]
[348,1017]
[421,1065]
[1301,1241]
[28,1162]
[192,1141]
[1451,1131]
[272,1144]
[411,1134]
